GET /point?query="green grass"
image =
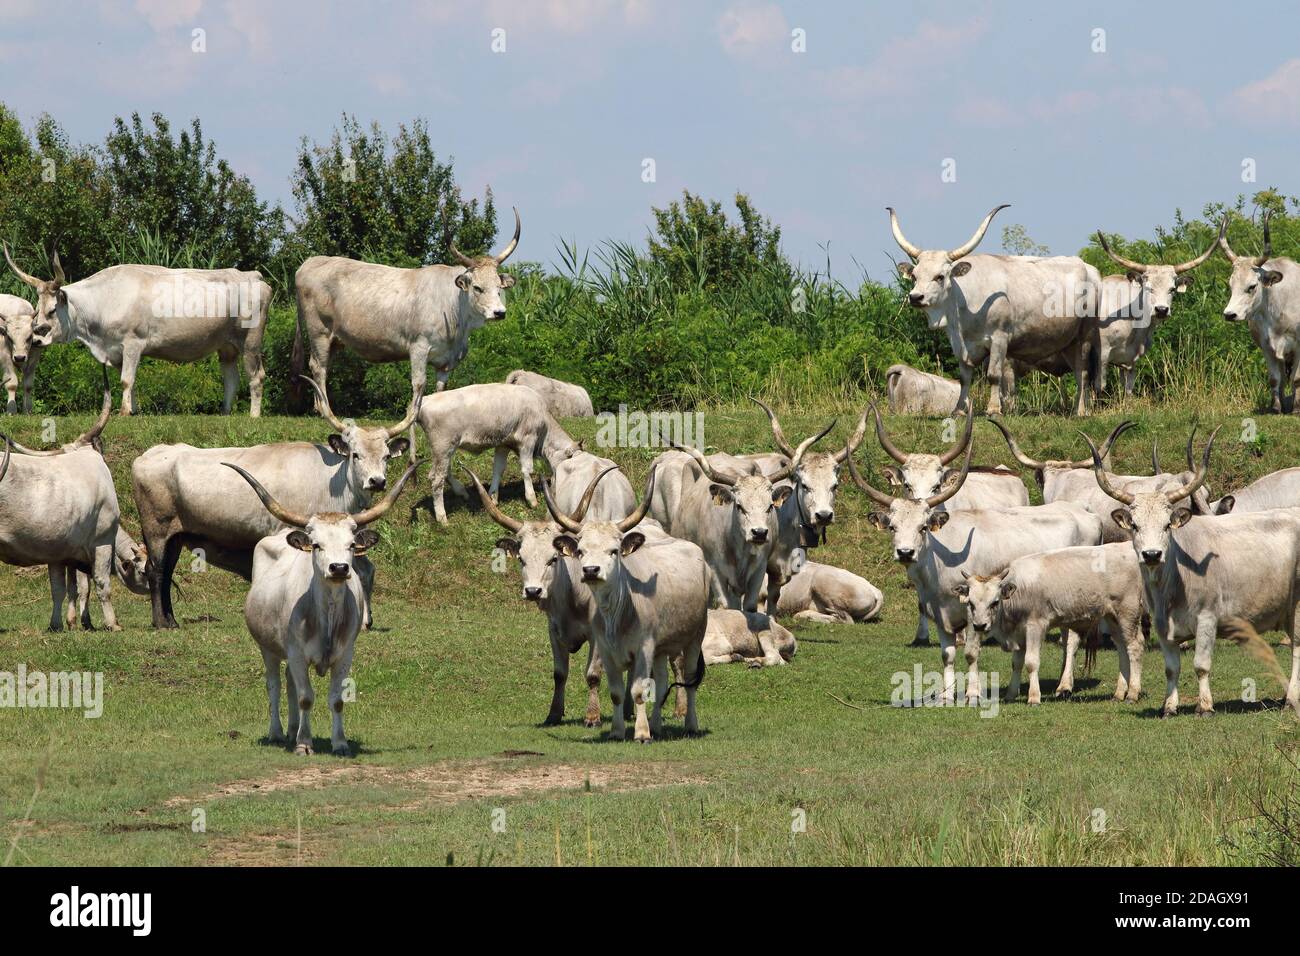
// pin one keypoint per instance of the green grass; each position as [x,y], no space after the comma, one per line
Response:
[456,676]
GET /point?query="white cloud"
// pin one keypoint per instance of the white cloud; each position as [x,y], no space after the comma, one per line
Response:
[248,17]
[166,15]
[1272,99]
[746,29]
[908,64]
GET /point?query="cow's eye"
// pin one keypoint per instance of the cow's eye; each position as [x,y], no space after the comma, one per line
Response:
[1251,288]
[356,457]
[478,288]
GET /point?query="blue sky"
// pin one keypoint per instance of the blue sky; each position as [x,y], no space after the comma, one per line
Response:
[559,124]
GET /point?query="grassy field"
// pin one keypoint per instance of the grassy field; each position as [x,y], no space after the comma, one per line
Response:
[451,763]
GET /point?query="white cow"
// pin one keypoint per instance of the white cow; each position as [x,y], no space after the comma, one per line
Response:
[829,595]
[913,392]
[23,341]
[756,639]
[565,400]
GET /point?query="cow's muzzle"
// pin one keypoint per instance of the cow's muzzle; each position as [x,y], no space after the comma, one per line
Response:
[824,517]
[758,535]
[377,484]
[905,555]
[916,298]
[339,571]
[1152,556]
[532,594]
[1229,316]
[590,572]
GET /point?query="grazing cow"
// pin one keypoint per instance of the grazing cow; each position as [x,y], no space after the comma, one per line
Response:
[59,508]
[913,392]
[23,341]
[1133,305]
[1278,489]
[828,595]
[936,547]
[128,312]
[305,606]
[1200,574]
[1001,308]
[387,314]
[1074,481]
[130,564]
[563,399]
[186,499]
[1075,589]
[614,497]
[652,597]
[756,639]
[478,417]
[554,584]
[1263,292]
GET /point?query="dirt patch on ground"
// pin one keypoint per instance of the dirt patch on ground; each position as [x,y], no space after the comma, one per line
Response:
[262,849]
[452,781]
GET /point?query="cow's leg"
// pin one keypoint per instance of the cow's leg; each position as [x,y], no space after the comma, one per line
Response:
[318,362]
[753,588]
[103,573]
[1293,686]
[419,355]
[1081,356]
[440,464]
[972,651]
[997,358]
[1274,381]
[78,594]
[1130,379]
[301,684]
[1173,662]
[171,555]
[11,389]
[366,575]
[643,688]
[560,674]
[922,638]
[499,458]
[163,555]
[659,671]
[829,617]
[229,379]
[1130,636]
[1009,393]
[692,662]
[275,733]
[1206,629]
[614,677]
[131,354]
[1120,641]
[592,718]
[948,653]
[526,469]
[1034,633]
[966,373]
[252,353]
[1017,665]
[338,674]
[291,702]
[29,379]
[58,587]
[1070,645]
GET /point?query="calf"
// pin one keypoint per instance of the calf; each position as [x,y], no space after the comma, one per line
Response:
[23,339]
[756,639]
[305,606]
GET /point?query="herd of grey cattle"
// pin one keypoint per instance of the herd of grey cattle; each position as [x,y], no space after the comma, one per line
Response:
[698,569]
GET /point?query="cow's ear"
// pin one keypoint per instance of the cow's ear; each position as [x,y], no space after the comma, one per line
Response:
[892,475]
[962,591]
[398,446]
[364,540]
[61,297]
[780,494]
[581,446]
[1123,518]
[950,478]
[299,539]
[1133,275]
[905,269]
[960,268]
[507,280]
[938,519]
[463,281]
[1180,517]
[1038,478]
[721,494]
[878,520]
[631,541]
[566,544]
[1008,589]
[509,545]
[1224,505]
[1271,277]
[1183,282]
[339,445]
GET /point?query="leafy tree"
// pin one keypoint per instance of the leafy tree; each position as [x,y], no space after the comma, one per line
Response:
[1016,242]
[700,248]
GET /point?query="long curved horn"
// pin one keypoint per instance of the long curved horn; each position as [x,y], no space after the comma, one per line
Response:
[1019,455]
[797,457]
[969,247]
[1191,487]
[496,514]
[890,448]
[899,238]
[1123,497]
[721,477]
[57,266]
[631,521]
[777,435]
[962,442]
[105,411]
[27,277]
[1191,463]
[563,520]
[580,513]
[1223,241]
[463,259]
[1127,263]
[854,440]
[416,395]
[327,413]
[935,500]
[514,242]
[376,511]
[879,497]
[1155,458]
[1191,264]
[1268,243]
[277,510]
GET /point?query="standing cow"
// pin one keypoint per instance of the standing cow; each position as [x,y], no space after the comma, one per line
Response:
[387,314]
[23,341]
[999,309]
[128,312]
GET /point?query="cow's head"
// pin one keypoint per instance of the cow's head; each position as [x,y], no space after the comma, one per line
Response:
[599,547]
[51,301]
[132,563]
[333,539]
[1045,469]
[816,474]
[1160,282]
[532,543]
[482,281]
[753,498]
[983,596]
[932,271]
[919,474]
[1151,516]
[910,521]
[1250,279]
[367,450]
[25,333]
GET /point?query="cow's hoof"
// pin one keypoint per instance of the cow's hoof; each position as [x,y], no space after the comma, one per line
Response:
[1064,693]
[1202,711]
[644,740]
[918,642]
[1168,712]
[303,750]
[551,720]
[591,721]
[342,751]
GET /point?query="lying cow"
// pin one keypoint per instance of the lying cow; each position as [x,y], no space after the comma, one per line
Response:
[913,392]
[1075,589]
[562,398]
[305,606]
[755,639]
[828,595]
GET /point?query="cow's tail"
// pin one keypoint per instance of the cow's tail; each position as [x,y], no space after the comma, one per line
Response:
[1090,650]
[694,682]
[298,360]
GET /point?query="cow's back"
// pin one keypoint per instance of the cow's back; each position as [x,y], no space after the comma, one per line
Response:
[479,417]
[669,590]
[59,507]
[614,497]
